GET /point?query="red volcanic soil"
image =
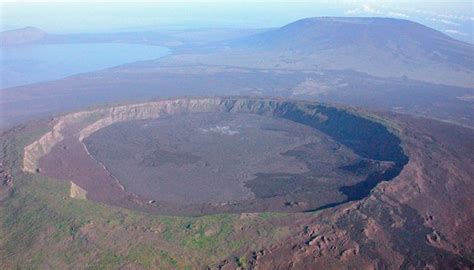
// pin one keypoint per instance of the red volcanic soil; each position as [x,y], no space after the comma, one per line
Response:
[421,219]
[69,164]
[69,160]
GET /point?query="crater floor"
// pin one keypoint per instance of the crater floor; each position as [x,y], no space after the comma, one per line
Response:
[203,156]
[224,158]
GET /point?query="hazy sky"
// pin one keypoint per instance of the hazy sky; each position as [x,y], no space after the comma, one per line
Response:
[451,17]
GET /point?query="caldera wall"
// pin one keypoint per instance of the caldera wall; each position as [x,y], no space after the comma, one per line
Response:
[369,139]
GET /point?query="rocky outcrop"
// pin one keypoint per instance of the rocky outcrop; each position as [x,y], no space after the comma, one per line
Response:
[77,192]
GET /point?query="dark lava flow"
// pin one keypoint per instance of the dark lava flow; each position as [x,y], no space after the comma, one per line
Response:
[380,157]
[366,138]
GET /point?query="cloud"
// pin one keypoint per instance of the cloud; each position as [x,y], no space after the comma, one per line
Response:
[370,9]
[446,18]
[455,17]
[455,32]
[398,14]
[448,22]
[351,11]
[364,9]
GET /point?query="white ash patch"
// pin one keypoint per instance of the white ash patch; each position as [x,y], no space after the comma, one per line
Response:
[225,130]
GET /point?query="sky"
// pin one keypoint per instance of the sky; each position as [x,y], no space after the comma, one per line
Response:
[454,18]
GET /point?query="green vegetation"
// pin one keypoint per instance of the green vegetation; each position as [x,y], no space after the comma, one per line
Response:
[40,225]
[272,215]
[242,262]
[148,256]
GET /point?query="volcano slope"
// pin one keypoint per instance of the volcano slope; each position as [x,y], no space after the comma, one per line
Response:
[421,218]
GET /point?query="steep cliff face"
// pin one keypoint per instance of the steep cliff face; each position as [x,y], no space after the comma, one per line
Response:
[34,151]
[87,122]
[367,138]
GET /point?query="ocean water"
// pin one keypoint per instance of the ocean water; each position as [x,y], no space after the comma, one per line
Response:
[27,64]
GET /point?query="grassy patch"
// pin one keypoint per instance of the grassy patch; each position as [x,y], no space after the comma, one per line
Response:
[148,257]
[108,260]
[40,225]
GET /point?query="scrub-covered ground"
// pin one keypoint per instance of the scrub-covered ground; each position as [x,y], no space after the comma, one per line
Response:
[42,226]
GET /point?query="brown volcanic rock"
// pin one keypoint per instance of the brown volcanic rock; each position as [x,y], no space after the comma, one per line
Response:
[442,185]
[421,219]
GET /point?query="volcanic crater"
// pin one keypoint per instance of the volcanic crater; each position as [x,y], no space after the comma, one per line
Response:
[197,156]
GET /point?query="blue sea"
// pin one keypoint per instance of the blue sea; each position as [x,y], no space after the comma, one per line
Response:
[25,64]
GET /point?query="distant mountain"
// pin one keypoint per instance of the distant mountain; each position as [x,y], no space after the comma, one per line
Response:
[21,36]
[378,46]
